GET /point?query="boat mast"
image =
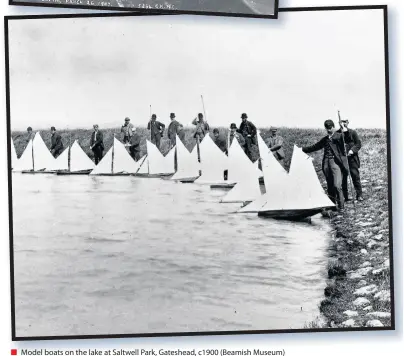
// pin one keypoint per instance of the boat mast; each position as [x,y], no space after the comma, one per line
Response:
[33,161]
[113,151]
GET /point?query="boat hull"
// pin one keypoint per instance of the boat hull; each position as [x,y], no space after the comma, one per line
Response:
[223,186]
[290,214]
[37,172]
[67,173]
[146,175]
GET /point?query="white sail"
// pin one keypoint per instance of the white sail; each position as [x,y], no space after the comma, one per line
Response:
[263,148]
[14,158]
[246,190]
[79,161]
[62,161]
[169,161]
[213,162]
[43,158]
[25,161]
[123,162]
[276,184]
[105,165]
[187,162]
[158,164]
[240,166]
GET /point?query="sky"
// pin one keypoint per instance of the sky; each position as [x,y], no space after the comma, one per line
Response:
[296,71]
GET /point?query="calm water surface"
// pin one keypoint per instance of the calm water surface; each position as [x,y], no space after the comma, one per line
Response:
[100,255]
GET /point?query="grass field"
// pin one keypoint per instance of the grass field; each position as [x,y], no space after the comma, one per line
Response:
[359,246]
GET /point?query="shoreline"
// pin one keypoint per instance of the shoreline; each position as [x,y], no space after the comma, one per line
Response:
[358,286]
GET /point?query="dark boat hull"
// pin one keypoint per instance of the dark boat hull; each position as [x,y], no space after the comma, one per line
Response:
[67,173]
[290,214]
[222,186]
[145,175]
[37,172]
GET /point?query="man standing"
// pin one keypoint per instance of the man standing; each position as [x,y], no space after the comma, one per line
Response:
[127,129]
[219,140]
[249,132]
[173,130]
[335,163]
[156,130]
[275,143]
[353,145]
[202,127]
[97,144]
[57,145]
[234,134]
[30,133]
[134,148]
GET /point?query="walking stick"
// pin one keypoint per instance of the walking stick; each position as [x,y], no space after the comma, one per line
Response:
[349,168]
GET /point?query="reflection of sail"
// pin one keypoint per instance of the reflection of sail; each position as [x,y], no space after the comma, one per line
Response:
[14,158]
[246,190]
[43,159]
[300,195]
[79,161]
[25,161]
[213,162]
[62,161]
[187,163]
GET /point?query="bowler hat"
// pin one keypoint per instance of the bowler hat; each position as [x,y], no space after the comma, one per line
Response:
[53,128]
[215,131]
[172,115]
[127,119]
[29,128]
[244,116]
[233,126]
[329,124]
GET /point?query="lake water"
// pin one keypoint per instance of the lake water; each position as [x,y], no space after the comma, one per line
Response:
[115,255]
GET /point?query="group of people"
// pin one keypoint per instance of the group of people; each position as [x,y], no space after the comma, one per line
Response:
[340,158]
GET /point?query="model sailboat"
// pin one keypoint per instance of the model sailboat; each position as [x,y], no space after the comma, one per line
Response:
[116,162]
[154,164]
[187,164]
[78,164]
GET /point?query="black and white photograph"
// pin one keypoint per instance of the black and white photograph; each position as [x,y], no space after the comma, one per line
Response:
[246,8]
[180,175]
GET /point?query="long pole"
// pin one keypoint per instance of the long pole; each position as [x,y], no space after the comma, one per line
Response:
[69,158]
[150,122]
[113,153]
[204,111]
[33,160]
[346,155]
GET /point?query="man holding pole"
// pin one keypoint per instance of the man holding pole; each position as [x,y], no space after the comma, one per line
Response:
[156,130]
[335,162]
[201,128]
[352,146]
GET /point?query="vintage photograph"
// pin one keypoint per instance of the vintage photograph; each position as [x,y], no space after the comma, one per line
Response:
[247,8]
[173,176]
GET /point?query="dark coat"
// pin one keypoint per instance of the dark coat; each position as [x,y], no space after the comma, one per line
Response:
[249,128]
[99,142]
[221,143]
[353,143]
[172,130]
[56,140]
[156,127]
[135,142]
[337,146]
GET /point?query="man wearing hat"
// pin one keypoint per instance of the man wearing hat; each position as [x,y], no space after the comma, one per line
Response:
[127,129]
[249,132]
[97,144]
[275,143]
[335,163]
[156,130]
[57,145]
[30,134]
[234,134]
[174,129]
[202,127]
[353,145]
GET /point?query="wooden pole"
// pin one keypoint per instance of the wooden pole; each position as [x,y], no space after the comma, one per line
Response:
[113,153]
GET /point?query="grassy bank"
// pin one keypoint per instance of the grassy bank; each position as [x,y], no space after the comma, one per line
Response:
[358,288]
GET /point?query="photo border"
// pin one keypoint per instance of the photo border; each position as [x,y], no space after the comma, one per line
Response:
[149,11]
[7,19]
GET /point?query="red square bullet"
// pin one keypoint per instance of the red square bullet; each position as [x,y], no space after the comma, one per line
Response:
[13,352]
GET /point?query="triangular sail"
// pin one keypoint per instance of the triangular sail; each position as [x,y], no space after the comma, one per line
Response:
[105,165]
[43,158]
[240,166]
[246,190]
[276,184]
[25,161]
[263,148]
[187,162]
[62,161]
[213,162]
[158,164]
[14,158]
[79,161]
[169,161]
[123,162]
